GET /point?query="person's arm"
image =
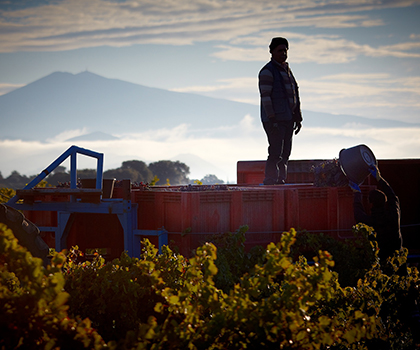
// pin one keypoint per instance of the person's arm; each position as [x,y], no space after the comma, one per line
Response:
[265,85]
[385,187]
[359,211]
[297,113]
[392,198]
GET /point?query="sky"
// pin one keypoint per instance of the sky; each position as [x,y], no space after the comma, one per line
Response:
[355,57]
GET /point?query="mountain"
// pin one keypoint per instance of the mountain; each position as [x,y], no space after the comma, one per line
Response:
[93,136]
[319,119]
[63,101]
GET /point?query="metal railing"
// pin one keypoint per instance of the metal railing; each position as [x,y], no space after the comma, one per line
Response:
[72,153]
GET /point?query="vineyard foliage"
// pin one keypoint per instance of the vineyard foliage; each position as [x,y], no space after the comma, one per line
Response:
[6,194]
[221,298]
[33,303]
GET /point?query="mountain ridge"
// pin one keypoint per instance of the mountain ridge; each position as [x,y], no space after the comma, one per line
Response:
[63,101]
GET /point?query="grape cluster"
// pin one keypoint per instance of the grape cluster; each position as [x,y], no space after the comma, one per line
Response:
[67,184]
[146,187]
[329,174]
[200,188]
[134,185]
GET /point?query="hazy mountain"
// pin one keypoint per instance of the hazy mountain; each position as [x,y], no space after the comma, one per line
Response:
[319,119]
[93,136]
[63,101]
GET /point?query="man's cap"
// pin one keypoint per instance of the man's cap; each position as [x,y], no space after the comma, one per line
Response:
[278,41]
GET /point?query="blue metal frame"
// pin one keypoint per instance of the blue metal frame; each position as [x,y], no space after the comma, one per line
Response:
[162,239]
[124,209]
[72,153]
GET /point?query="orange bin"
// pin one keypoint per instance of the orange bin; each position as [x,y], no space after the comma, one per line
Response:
[190,217]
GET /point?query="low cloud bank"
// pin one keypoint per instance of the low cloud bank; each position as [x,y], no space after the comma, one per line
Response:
[209,151]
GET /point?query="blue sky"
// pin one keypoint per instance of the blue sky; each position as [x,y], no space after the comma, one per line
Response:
[358,57]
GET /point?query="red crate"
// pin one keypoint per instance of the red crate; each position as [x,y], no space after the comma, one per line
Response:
[48,237]
[96,231]
[252,172]
[267,210]
[311,209]
[42,218]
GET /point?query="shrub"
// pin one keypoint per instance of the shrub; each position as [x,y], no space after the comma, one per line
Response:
[232,260]
[390,299]
[285,304]
[169,302]
[116,297]
[269,309]
[33,310]
[6,194]
[353,257]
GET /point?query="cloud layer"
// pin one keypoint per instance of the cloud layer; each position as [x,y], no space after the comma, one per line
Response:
[72,24]
[246,141]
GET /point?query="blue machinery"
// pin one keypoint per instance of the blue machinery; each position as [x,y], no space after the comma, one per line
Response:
[123,208]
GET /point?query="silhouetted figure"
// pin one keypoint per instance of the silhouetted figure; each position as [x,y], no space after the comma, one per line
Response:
[384,215]
[280,110]
[385,220]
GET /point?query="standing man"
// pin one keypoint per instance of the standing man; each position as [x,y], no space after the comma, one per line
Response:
[280,110]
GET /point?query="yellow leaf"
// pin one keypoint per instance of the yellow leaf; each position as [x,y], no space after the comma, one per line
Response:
[350,335]
[359,314]
[324,321]
[285,263]
[213,269]
[173,299]
[61,299]
[158,307]
[301,335]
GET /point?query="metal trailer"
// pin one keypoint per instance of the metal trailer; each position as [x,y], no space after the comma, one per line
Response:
[82,200]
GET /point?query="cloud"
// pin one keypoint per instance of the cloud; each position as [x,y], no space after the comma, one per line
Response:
[387,143]
[239,89]
[71,24]
[374,95]
[237,84]
[68,134]
[223,152]
[361,94]
[246,141]
[330,49]
[5,87]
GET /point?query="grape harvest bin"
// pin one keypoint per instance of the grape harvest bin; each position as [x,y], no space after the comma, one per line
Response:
[190,217]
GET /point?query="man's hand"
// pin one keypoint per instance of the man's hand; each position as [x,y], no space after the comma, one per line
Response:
[354,186]
[274,126]
[375,172]
[297,127]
